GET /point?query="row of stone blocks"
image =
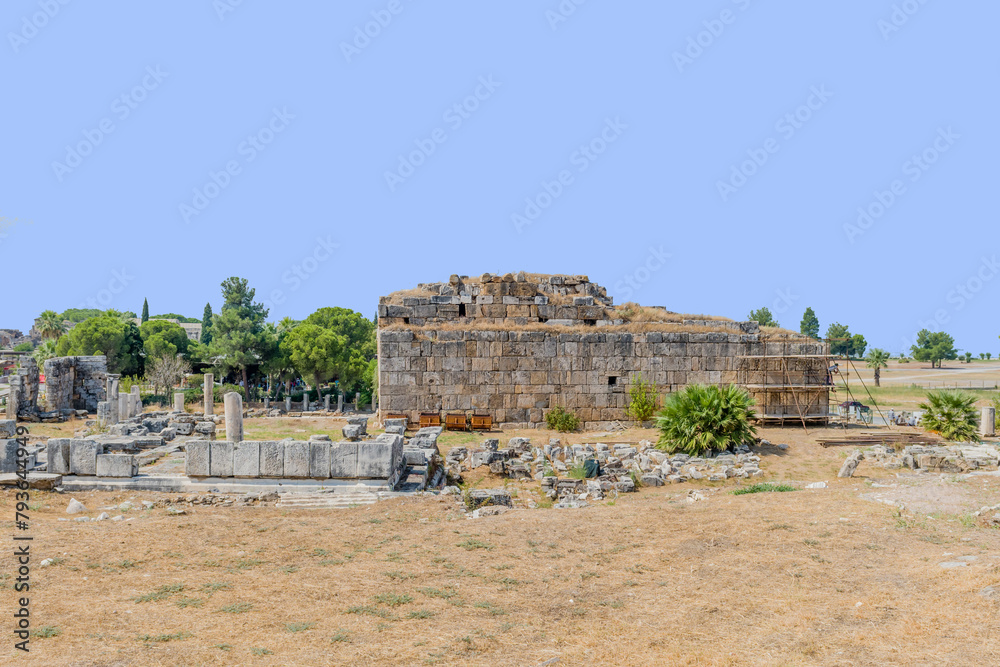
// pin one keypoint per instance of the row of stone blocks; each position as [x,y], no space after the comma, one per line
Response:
[380,458]
[67,456]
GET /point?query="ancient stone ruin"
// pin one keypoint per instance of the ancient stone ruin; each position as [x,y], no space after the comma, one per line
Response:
[75,383]
[513,347]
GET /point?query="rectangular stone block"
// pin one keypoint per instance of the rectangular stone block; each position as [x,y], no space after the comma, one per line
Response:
[344,460]
[297,457]
[221,460]
[57,455]
[246,459]
[8,429]
[197,458]
[381,457]
[116,465]
[83,456]
[319,460]
[8,455]
[272,459]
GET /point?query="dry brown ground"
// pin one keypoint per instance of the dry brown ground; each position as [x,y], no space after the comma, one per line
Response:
[812,577]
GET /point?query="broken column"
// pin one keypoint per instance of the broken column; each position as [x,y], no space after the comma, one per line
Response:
[209,388]
[179,401]
[112,380]
[234,416]
[851,464]
[104,414]
[305,401]
[288,403]
[326,402]
[987,425]
[340,402]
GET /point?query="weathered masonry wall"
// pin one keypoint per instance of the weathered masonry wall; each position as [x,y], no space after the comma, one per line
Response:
[516,376]
[75,383]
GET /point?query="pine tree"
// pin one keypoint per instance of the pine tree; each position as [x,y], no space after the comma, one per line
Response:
[206,325]
[810,324]
[145,310]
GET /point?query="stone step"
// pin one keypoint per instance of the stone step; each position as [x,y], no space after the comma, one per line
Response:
[326,500]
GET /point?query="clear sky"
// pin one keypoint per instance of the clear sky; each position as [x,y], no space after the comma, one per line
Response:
[709,157]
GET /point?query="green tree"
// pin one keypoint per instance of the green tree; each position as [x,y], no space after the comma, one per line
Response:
[762,316]
[26,346]
[968,357]
[934,346]
[110,334]
[162,338]
[878,359]
[145,311]
[175,316]
[989,355]
[858,345]
[359,346]
[952,414]
[642,399]
[839,337]
[239,337]
[50,325]
[44,352]
[206,325]
[810,324]
[317,353]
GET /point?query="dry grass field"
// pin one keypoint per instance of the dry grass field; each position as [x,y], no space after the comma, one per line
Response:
[809,577]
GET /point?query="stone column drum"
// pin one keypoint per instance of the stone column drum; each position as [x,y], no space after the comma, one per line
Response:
[234,417]
[209,399]
[987,426]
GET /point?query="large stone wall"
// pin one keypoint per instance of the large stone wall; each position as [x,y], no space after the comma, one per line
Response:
[75,383]
[23,398]
[436,357]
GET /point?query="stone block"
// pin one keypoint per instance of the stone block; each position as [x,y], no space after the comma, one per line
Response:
[344,460]
[57,455]
[205,428]
[272,459]
[8,429]
[155,425]
[352,432]
[83,456]
[297,459]
[116,465]
[397,430]
[319,459]
[246,459]
[221,463]
[8,455]
[197,458]
[184,428]
[380,458]
[362,422]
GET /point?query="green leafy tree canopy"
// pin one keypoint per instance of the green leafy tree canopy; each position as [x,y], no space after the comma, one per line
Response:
[763,317]
[809,325]
[934,346]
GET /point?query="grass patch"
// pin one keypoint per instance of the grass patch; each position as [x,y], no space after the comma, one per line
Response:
[341,636]
[392,599]
[45,632]
[764,487]
[423,613]
[183,634]
[190,602]
[161,593]
[214,586]
[257,651]
[238,608]
[369,610]
[443,593]
[472,543]
[299,627]
[490,607]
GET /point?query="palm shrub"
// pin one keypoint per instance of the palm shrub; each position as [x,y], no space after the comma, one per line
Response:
[952,414]
[705,418]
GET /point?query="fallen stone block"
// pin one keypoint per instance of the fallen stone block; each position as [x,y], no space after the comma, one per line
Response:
[116,465]
[57,455]
[477,498]
[184,428]
[205,428]
[8,429]
[352,432]
[221,462]
[851,464]
[8,455]
[361,422]
[246,459]
[83,456]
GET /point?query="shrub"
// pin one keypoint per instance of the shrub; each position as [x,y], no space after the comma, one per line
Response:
[764,487]
[701,419]
[952,414]
[641,399]
[559,419]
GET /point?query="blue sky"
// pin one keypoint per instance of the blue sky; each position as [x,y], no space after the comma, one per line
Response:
[708,157]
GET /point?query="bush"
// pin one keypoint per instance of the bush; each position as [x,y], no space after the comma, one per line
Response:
[952,414]
[641,399]
[701,419]
[559,419]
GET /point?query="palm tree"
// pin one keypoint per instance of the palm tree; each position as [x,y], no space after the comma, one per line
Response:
[46,350]
[878,359]
[50,325]
[952,414]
